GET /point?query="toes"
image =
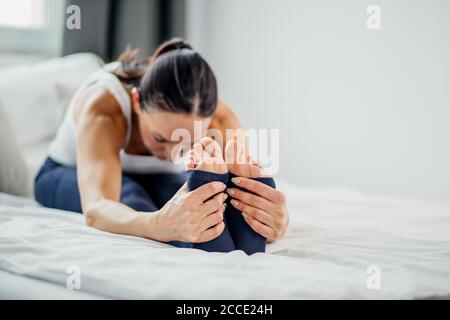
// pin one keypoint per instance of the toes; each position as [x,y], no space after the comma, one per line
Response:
[231,151]
[255,168]
[212,148]
[190,160]
[209,156]
[252,161]
[239,162]
[197,152]
[201,155]
[255,171]
[235,153]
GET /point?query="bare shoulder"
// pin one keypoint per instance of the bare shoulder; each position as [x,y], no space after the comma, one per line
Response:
[225,118]
[222,110]
[97,102]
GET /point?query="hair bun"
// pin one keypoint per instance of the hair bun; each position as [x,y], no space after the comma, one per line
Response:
[170,45]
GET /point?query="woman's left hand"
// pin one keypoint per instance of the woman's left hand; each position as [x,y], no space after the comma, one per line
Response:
[265,210]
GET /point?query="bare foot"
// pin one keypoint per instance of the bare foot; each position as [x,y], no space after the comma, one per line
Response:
[239,163]
[207,156]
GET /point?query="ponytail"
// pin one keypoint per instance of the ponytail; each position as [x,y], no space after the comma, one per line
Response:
[132,68]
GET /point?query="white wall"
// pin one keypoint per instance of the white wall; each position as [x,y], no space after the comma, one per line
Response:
[357,108]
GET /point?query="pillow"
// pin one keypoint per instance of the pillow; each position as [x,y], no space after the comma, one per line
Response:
[30,95]
[34,98]
[13,171]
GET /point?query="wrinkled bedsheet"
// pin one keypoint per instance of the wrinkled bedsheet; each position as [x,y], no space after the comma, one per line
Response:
[335,238]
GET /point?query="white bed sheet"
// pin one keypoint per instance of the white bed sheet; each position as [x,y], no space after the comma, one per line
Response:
[334,236]
[17,287]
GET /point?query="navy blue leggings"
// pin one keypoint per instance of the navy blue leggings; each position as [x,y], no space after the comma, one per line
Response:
[56,187]
[237,235]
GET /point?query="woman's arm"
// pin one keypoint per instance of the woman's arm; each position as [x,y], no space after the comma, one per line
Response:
[100,136]
[101,133]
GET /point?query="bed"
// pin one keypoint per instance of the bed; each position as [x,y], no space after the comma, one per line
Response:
[341,244]
[335,239]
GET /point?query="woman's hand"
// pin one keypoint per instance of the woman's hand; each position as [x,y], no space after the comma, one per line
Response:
[188,217]
[265,210]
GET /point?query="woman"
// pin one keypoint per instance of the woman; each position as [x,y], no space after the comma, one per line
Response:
[111,159]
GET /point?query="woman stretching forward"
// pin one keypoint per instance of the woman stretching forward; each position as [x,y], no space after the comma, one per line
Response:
[112,158]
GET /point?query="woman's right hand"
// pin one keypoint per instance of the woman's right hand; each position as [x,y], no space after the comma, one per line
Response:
[190,217]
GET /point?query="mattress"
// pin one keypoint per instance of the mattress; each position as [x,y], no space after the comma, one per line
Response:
[341,244]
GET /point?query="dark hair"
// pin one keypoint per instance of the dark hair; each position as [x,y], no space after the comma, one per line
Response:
[175,79]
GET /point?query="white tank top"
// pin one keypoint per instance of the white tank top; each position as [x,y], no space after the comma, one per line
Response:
[63,149]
